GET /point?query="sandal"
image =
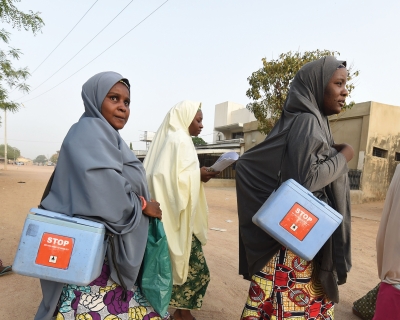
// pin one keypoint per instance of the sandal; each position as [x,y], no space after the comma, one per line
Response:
[6,270]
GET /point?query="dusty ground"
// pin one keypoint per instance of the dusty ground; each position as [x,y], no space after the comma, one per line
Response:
[21,188]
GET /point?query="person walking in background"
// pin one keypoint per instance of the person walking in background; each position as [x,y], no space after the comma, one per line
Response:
[99,178]
[282,284]
[174,177]
[388,255]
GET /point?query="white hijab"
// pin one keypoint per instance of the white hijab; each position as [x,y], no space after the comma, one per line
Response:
[173,175]
[388,238]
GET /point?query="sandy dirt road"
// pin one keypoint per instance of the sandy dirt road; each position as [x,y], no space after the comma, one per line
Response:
[21,188]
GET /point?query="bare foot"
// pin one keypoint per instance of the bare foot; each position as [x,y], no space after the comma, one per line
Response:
[181,314]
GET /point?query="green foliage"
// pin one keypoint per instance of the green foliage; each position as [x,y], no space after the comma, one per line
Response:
[270,85]
[12,153]
[54,157]
[197,141]
[40,159]
[18,19]
[130,145]
[9,76]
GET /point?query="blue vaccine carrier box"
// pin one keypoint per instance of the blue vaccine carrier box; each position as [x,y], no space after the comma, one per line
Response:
[61,248]
[294,217]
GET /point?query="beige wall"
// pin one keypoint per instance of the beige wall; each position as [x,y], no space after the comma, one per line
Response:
[223,113]
[384,133]
[350,127]
[365,126]
[227,114]
[252,136]
[242,116]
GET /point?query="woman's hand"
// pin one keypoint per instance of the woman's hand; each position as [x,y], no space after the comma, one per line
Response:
[346,150]
[206,175]
[153,209]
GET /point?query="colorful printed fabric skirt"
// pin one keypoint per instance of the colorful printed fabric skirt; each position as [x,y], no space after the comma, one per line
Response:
[102,300]
[190,295]
[283,289]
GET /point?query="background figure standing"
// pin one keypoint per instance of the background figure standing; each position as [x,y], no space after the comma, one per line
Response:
[388,255]
[282,284]
[175,179]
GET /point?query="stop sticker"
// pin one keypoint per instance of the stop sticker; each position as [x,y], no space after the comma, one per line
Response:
[298,221]
[55,251]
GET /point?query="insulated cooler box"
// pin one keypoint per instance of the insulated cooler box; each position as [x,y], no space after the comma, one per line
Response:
[293,216]
[61,248]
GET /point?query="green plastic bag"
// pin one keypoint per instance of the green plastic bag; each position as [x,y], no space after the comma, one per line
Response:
[156,273]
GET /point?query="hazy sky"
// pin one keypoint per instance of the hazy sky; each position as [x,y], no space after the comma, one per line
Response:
[198,50]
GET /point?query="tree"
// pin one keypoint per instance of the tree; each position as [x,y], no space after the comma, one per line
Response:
[270,85]
[9,76]
[40,159]
[12,152]
[197,141]
[130,145]
[54,157]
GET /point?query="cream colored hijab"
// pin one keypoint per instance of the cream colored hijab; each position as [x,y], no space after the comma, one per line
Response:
[173,175]
[388,239]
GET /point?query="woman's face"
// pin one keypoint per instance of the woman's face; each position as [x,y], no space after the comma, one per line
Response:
[335,93]
[115,107]
[196,125]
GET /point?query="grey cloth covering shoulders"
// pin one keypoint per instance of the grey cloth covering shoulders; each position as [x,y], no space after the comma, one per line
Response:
[96,177]
[310,160]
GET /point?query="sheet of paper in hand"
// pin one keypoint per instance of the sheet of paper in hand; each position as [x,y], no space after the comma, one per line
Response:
[224,161]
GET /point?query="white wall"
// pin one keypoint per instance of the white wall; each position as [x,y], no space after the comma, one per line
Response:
[223,113]
[227,113]
[242,116]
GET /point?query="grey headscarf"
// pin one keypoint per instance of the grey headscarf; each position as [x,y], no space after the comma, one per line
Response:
[310,160]
[99,177]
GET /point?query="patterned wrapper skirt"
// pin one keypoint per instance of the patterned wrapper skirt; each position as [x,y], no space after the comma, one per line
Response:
[102,300]
[284,289]
[190,295]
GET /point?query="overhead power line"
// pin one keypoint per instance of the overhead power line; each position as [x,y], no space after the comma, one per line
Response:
[65,37]
[100,53]
[77,52]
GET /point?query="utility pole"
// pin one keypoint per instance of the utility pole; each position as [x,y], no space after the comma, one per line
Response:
[5,139]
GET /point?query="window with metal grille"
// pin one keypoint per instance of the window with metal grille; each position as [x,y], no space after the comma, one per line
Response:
[397,156]
[380,153]
[237,135]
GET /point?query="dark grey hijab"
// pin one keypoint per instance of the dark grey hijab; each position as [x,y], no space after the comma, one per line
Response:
[311,161]
[98,177]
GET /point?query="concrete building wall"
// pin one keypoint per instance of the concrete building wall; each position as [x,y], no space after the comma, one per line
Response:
[384,134]
[350,127]
[252,136]
[242,116]
[227,114]
[223,113]
[370,126]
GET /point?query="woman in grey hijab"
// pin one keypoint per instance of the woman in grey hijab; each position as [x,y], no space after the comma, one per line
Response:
[98,177]
[282,284]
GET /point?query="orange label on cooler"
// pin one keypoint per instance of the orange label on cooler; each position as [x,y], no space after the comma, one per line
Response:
[298,221]
[55,251]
